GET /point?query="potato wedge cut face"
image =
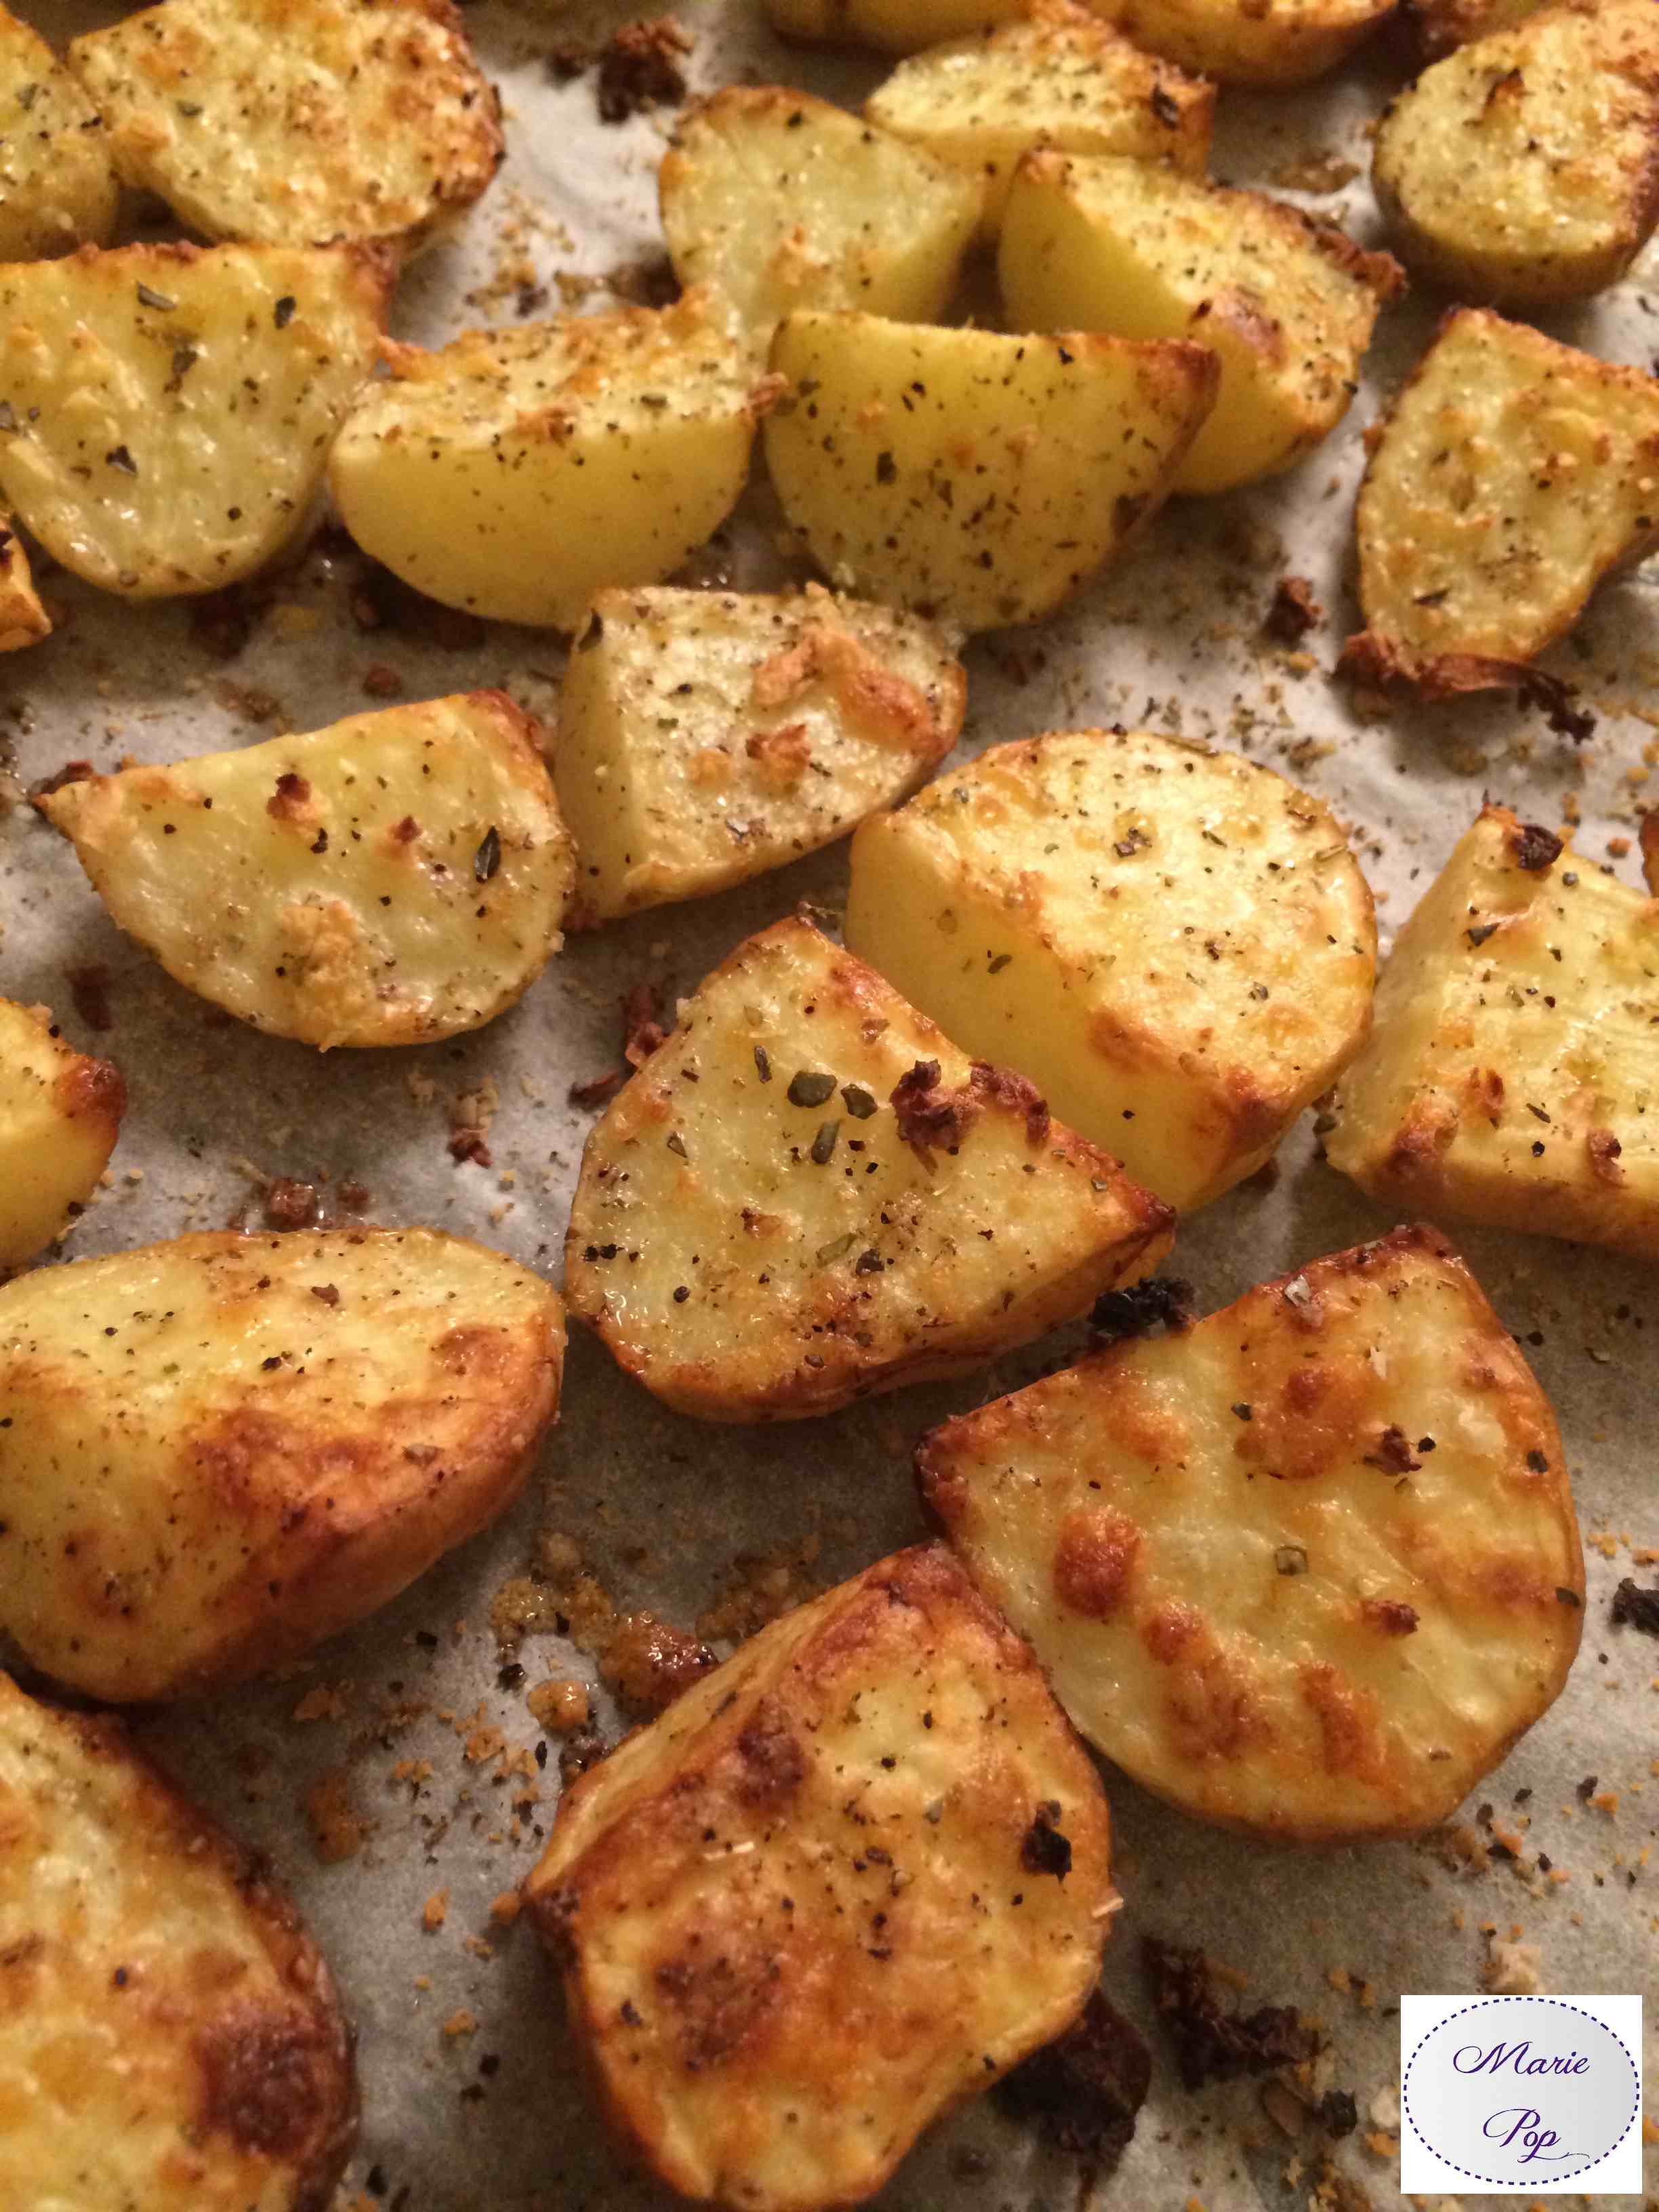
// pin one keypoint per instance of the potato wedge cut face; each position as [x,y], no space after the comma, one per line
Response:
[59,1113]
[215,1451]
[1307,1569]
[131,1923]
[776,200]
[1284,42]
[704,737]
[978,477]
[1176,946]
[1286,303]
[1512,473]
[1063,79]
[1512,1076]
[57,188]
[761,1231]
[398,877]
[1524,169]
[23,620]
[168,410]
[297,121]
[773,2010]
[516,472]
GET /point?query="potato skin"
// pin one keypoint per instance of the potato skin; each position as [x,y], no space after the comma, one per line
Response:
[1477,549]
[1277,42]
[128,1919]
[1060,861]
[295,1427]
[1339,1651]
[23,620]
[893,26]
[1509,1077]
[752,1254]
[60,1111]
[708,2009]
[1440,27]
[1524,169]
[398,876]
[298,121]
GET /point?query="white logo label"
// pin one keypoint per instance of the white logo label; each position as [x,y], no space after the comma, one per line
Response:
[1520,2092]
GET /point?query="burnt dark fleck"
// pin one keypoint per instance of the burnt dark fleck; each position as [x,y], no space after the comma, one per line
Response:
[1045,1849]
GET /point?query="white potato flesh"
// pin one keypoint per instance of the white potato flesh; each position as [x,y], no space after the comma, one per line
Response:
[1524,168]
[1510,476]
[57,188]
[1512,1076]
[398,876]
[516,472]
[1062,79]
[712,1903]
[809,1193]
[165,412]
[23,620]
[1307,1569]
[217,1451]
[775,200]
[297,122]
[977,477]
[59,1113]
[705,737]
[1262,42]
[171,2036]
[1286,303]
[1176,946]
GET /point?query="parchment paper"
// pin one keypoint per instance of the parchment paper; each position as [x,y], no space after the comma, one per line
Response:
[491,2118]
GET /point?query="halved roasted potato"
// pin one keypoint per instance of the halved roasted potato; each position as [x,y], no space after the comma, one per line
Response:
[59,1113]
[1060,78]
[1286,303]
[808,1194]
[166,411]
[895,27]
[216,1451]
[1307,1569]
[1510,476]
[398,876]
[1176,946]
[23,620]
[170,2035]
[1524,168]
[844,1883]
[298,122]
[515,472]
[706,737]
[1265,42]
[979,477]
[58,188]
[1512,1076]
[775,200]
[1438,27]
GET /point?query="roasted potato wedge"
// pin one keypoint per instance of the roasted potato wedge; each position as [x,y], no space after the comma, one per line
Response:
[59,1113]
[1524,168]
[170,2035]
[23,620]
[1059,78]
[1285,304]
[217,1451]
[298,122]
[893,27]
[57,188]
[1510,476]
[1265,42]
[706,737]
[1338,1650]
[773,2008]
[1512,1076]
[1439,27]
[979,477]
[775,200]
[809,1194]
[516,472]
[166,411]
[398,876]
[1176,946]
